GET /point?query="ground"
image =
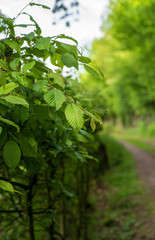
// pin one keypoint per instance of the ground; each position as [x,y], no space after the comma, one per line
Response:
[145,166]
[124,208]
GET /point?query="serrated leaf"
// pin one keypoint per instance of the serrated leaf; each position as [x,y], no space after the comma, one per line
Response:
[21,114]
[28,66]
[16,100]
[91,71]
[9,87]
[84,59]
[11,154]
[13,64]
[92,124]
[57,79]
[43,43]
[10,123]
[6,186]
[12,44]
[55,98]
[74,116]
[69,60]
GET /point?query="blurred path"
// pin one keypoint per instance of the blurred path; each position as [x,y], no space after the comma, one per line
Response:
[145,165]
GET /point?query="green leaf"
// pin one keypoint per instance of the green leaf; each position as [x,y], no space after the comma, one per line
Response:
[38,30]
[6,186]
[15,63]
[4,66]
[9,87]
[2,78]
[40,5]
[68,48]
[21,114]
[1,129]
[55,98]
[3,137]
[11,154]
[84,59]
[28,66]
[12,44]
[74,116]
[2,48]
[69,60]
[43,43]
[16,100]
[41,113]
[10,123]
[30,36]
[28,146]
[67,37]
[92,124]
[23,25]
[91,71]
[57,79]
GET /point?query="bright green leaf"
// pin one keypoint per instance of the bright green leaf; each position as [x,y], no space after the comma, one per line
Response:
[43,43]
[6,186]
[57,79]
[28,66]
[55,98]
[74,116]
[92,124]
[15,63]
[16,100]
[9,87]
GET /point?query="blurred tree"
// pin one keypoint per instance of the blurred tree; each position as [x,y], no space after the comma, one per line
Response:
[126,53]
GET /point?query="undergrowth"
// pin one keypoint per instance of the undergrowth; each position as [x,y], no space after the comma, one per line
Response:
[118,198]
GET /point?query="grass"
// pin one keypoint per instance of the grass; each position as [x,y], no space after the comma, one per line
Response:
[119,198]
[137,141]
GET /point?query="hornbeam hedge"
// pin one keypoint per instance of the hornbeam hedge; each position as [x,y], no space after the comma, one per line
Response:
[44,170]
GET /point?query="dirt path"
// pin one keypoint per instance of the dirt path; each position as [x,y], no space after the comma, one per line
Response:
[145,163]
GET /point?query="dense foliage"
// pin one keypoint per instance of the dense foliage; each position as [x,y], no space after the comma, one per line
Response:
[126,53]
[44,141]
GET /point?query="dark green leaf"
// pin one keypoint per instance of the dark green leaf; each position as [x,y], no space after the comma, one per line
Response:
[11,154]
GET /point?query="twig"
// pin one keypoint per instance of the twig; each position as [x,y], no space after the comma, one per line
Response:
[22,10]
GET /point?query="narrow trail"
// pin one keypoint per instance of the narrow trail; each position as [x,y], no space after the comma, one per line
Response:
[145,164]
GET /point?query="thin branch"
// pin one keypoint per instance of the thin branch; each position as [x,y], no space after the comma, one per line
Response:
[22,10]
